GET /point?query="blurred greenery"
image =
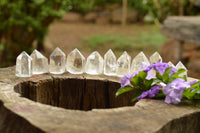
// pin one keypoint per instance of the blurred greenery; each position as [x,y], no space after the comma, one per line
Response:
[160,9]
[125,43]
[23,22]
[149,9]
[85,6]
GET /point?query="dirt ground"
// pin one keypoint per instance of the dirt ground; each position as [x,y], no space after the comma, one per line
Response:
[68,36]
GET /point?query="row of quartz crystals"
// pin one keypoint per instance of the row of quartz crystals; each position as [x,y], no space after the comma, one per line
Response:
[75,63]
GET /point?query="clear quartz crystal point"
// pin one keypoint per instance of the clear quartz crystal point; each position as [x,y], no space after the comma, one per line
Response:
[123,64]
[155,58]
[94,64]
[138,61]
[39,63]
[57,61]
[171,64]
[180,65]
[110,63]
[75,62]
[24,65]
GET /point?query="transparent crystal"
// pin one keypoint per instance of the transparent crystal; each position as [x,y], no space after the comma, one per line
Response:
[94,64]
[138,61]
[57,61]
[23,65]
[180,65]
[171,64]
[75,62]
[155,57]
[110,63]
[123,64]
[39,63]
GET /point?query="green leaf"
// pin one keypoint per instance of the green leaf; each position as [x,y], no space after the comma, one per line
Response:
[155,81]
[123,90]
[189,94]
[138,80]
[135,80]
[142,74]
[136,95]
[159,95]
[166,74]
[185,77]
[148,84]
[141,77]
[198,91]
[159,76]
[168,70]
[195,85]
[176,74]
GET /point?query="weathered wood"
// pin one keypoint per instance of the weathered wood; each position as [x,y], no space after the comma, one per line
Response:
[185,29]
[19,113]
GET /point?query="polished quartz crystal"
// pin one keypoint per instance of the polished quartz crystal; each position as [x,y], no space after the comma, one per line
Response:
[94,64]
[179,66]
[171,64]
[39,63]
[123,64]
[155,58]
[138,62]
[24,65]
[75,62]
[57,61]
[110,63]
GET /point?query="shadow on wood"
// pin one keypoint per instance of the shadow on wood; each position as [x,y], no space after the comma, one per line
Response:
[73,93]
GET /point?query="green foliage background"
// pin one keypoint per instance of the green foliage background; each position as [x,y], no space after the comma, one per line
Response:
[156,9]
[24,21]
[84,6]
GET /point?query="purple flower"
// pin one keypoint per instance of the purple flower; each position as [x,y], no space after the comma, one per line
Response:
[193,82]
[154,91]
[143,95]
[150,93]
[143,66]
[174,90]
[125,80]
[150,75]
[160,67]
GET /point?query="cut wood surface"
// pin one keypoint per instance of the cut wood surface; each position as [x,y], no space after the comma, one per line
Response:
[85,104]
[183,28]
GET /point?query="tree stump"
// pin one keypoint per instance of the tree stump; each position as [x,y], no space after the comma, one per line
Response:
[84,103]
[185,29]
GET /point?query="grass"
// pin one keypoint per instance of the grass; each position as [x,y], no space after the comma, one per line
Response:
[136,38]
[122,42]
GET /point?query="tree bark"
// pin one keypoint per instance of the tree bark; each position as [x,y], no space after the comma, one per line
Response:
[124,12]
[20,113]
